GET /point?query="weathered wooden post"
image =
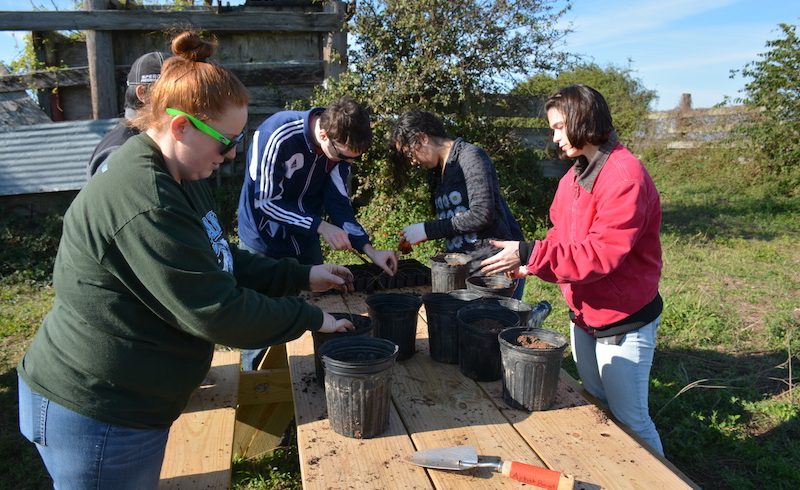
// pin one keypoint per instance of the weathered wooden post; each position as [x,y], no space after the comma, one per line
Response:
[100,54]
[334,50]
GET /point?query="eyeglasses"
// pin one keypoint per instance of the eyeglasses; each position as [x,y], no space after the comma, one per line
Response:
[227,143]
[342,156]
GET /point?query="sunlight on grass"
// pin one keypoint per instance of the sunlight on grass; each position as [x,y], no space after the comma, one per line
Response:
[23,306]
[278,470]
[720,378]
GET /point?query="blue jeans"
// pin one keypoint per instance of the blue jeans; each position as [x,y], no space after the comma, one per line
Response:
[620,376]
[82,453]
[251,358]
[310,256]
[520,289]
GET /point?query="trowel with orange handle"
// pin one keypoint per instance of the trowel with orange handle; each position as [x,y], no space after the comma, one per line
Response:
[466,457]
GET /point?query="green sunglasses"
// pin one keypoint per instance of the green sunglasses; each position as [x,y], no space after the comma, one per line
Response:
[227,143]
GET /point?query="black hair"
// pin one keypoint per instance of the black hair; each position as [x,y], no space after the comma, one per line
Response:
[411,124]
[405,134]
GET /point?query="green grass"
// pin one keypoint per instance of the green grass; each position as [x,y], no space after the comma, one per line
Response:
[719,394]
[27,251]
[731,285]
[278,470]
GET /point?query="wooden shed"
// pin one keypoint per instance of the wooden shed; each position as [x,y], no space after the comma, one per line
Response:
[280,49]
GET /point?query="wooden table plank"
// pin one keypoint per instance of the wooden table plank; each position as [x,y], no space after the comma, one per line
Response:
[441,407]
[331,461]
[446,410]
[198,453]
[575,436]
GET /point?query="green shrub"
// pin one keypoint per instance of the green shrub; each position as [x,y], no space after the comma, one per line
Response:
[442,56]
[28,245]
[627,98]
[774,94]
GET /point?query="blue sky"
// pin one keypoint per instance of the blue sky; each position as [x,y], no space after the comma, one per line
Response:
[674,46]
[679,46]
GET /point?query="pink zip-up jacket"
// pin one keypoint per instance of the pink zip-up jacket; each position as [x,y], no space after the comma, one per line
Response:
[604,248]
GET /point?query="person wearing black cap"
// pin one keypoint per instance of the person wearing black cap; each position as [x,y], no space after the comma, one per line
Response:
[144,71]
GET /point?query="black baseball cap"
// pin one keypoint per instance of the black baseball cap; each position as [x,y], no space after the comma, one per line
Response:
[147,68]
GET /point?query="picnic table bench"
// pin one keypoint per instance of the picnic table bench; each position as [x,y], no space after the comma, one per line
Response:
[232,413]
[434,405]
[200,443]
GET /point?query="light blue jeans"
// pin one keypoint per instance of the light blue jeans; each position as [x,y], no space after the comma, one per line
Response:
[619,375]
[82,453]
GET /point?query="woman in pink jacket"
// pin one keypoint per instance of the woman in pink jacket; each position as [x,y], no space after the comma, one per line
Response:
[604,251]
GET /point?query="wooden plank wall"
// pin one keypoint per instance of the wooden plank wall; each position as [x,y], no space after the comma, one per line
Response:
[279,52]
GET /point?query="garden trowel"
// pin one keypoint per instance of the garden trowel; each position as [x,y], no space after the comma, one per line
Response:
[466,457]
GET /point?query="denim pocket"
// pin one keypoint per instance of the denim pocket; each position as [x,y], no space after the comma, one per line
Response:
[32,414]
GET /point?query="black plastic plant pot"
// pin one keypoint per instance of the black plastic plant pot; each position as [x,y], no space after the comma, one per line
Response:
[531,366]
[478,347]
[521,308]
[394,317]
[465,294]
[492,285]
[358,384]
[448,274]
[441,309]
[363,327]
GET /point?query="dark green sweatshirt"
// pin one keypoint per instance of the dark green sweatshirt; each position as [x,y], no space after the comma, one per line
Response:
[145,285]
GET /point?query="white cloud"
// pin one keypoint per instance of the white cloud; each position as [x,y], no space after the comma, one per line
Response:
[617,20]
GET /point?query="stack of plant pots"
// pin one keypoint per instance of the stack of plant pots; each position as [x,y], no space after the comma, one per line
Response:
[441,309]
[363,327]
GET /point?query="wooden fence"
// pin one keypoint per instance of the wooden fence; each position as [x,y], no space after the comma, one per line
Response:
[690,128]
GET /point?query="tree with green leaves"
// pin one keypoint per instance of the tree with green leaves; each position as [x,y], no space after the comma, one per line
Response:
[444,56]
[774,94]
[627,97]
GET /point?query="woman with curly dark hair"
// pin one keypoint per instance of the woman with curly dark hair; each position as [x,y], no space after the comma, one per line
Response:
[470,210]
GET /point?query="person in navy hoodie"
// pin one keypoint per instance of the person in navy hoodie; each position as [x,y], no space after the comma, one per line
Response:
[298,168]
[604,251]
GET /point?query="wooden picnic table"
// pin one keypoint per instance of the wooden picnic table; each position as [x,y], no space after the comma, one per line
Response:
[434,405]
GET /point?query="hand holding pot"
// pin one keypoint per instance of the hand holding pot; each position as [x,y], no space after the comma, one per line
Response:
[330,324]
[505,260]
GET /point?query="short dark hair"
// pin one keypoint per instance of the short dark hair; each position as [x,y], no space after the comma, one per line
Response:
[347,123]
[411,124]
[586,114]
